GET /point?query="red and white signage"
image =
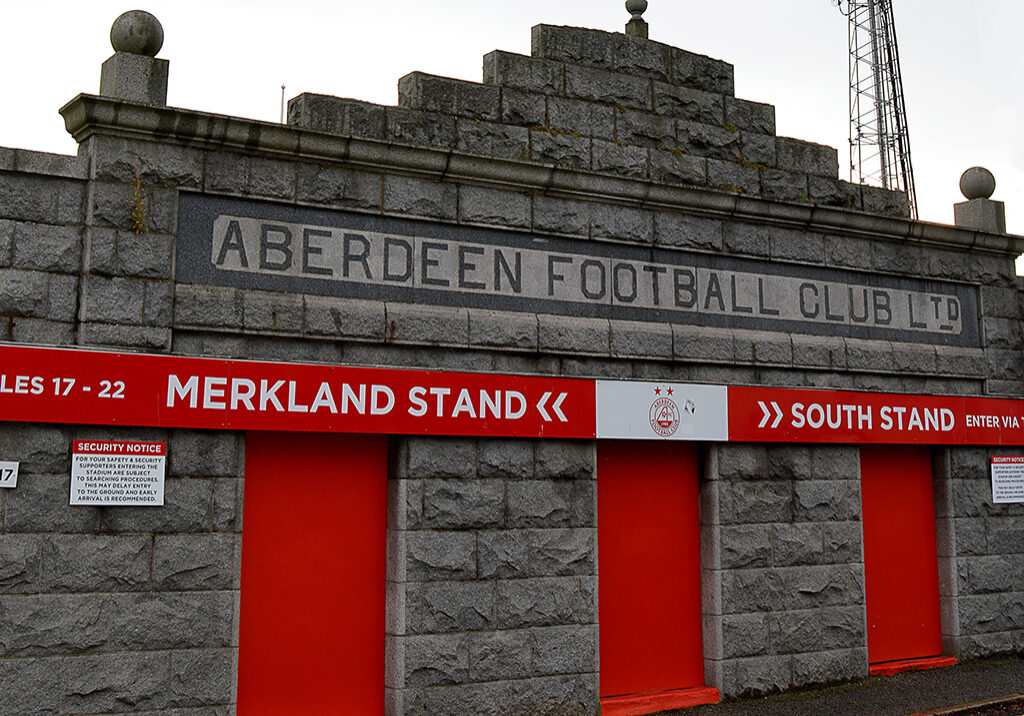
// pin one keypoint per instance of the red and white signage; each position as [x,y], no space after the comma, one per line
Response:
[92,387]
[118,472]
[1007,478]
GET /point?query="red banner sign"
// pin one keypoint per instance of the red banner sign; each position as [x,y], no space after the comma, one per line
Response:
[53,385]
[92,387]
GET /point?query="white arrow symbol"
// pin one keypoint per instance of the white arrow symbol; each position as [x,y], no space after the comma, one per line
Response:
[768,414]
[556,407]
[540,407]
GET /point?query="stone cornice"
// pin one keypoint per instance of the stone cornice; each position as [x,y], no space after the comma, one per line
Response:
[88,115]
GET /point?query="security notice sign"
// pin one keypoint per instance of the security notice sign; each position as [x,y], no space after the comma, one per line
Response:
[1008,478]
[112,472]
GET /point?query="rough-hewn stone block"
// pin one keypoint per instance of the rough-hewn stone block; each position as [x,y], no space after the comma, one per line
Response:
[526,73]
[418,90]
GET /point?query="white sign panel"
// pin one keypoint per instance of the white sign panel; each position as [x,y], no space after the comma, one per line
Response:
[668,411]
[1008,478]
[124,473]
[8,474]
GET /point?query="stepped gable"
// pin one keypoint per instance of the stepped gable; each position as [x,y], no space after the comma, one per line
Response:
[610,103]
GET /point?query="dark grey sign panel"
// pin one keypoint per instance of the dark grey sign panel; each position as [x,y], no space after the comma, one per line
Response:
[277,247]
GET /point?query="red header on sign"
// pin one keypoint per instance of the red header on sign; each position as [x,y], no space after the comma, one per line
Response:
[91,387]
[822,416]
[1008,459]
[114,447]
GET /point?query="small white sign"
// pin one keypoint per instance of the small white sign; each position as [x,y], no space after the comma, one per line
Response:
[667,411]
[112,472]
[1008,478]
[8,474]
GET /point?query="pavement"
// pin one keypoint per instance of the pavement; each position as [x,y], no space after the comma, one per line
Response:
[986,686]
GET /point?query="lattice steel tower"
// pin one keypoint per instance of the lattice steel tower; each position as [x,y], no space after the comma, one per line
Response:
[879,141]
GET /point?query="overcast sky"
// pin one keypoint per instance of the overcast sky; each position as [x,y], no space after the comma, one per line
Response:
[962,64]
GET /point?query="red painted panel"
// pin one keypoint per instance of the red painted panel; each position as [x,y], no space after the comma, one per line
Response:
[900,564]
[648,531]
[311,632]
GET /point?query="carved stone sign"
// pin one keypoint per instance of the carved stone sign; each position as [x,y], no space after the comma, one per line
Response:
[233,242]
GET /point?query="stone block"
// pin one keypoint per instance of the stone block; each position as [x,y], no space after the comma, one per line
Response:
[802,157]
[685,231]
[42,247]
[962,361]
[213,306]
[479,205]
[503,554]
[750,116]
[795,632]
[745,546]
[814,587]
[573,335]
[227,505]
[565,460]
[887,203]
[635,225]
[823,667]
[112,300]
[196,562]
[339,188]
[272,311]
[757,149]
[584,503]
[548,601]
[20,566]
[559,149]
[525,73]
[842,542]
[759,502]
[336,115]
[797,544]
[759,675]
[640,339]
[706,140]
[41,332]
[843,628]
[701,72]
[498,655]
[435,659]
[744,635]
[144,255]
[39,448]
[794,245]
[612,88]
[645,130]
[30,198]
[865,355]
[439,556]
[540,503]
[828,191]
[910,259]
[578,117]
[1003,333]
[912,358]
[203,677]
[112,205]
[463,504]
[522,108]
[562,552]
[502,329]
[101,683]
[1003,535]
[418,197]
[565,649]
[703,344]
[782,185]
[423,129]
[458,606]
[690,104]
[674,167]
[44,675]
[440,458]
[987,575]
[205,453]
[487,699]
[448,96]
[572,44]
[188,507]
[491,139]
[620,160]
[506,458]
[734,176]
[23,293]
[97,563]
[638,56]
[820,501]
[344,318]
[561,216]
[417,323]
[40,504]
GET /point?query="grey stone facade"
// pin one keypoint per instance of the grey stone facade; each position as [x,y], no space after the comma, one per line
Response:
[492,560]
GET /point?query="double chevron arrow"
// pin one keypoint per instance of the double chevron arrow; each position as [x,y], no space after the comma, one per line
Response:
[768,414]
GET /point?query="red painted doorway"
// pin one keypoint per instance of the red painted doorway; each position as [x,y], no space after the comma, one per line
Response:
[311,620]
[901,571]
[648,531]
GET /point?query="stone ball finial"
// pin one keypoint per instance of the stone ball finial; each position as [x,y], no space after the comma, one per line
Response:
[636,8]
[977,183]
[137,32]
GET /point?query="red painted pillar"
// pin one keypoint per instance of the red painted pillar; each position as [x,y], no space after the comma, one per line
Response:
[311,625]
[900,562]
[648,529]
